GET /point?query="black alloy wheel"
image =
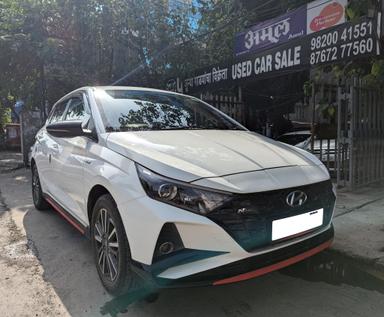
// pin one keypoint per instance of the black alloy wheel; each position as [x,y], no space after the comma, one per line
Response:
[37,193]
[111,248]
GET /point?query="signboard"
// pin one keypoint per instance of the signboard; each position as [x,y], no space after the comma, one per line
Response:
[347,41]
[323,14]
[272,32]
[313,17]
[342,42]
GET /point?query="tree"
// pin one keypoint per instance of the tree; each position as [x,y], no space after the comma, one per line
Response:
[51,47]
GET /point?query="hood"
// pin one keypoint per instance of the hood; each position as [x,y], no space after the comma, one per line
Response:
[189,155]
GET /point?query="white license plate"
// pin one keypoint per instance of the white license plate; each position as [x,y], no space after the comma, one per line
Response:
[286,227]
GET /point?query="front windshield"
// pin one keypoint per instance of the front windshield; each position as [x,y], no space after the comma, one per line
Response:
[136,110]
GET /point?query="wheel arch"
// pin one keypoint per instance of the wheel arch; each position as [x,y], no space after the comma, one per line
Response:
[93,195]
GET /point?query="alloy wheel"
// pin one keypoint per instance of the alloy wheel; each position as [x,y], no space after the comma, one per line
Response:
[107,245]
[35,185]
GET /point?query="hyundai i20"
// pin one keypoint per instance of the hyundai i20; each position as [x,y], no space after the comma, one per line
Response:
[173,192]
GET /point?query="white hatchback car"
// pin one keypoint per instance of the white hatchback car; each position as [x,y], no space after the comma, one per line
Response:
[174,192]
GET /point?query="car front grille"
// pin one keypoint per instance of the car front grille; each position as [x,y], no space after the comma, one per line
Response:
[248,217]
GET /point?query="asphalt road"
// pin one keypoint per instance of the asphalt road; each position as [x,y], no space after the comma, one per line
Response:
[47,269]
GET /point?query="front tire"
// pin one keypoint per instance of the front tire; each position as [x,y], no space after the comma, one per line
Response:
[37,193]
[110,247]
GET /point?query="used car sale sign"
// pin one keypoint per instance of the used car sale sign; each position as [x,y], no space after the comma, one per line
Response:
[316,16]
[346,41]
[286,44]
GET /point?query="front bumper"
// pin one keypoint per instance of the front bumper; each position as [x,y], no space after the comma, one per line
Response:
[250,267]
[225,246]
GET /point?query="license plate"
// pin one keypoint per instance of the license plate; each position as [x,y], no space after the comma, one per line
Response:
[290,226]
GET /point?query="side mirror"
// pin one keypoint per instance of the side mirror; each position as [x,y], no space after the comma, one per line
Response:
[68,129]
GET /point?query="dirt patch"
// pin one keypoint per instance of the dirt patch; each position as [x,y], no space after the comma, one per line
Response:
[14,247]
[23,290]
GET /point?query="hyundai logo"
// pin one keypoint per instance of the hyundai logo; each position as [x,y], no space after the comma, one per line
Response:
[296,198]
[242,211]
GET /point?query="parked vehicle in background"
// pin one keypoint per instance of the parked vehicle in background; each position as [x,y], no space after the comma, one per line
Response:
[298,138]
[324,149]
[12,136]
[173,192]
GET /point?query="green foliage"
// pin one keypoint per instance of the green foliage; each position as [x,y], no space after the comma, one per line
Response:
[5,117]
[307,88]
[359,8]
[378,69]
[48,48]
[375,78]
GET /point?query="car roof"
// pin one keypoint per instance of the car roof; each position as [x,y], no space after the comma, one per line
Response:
[85,88]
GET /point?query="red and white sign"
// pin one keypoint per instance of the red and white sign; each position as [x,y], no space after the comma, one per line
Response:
[323,14]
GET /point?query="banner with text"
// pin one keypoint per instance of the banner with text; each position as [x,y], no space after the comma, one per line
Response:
[313,17]
[272,32]
[336,44]
[323,14]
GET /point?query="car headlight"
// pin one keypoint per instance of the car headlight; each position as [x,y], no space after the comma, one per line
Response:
[179,194]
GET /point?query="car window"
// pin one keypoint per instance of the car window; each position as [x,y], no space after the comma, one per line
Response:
[58,111]
[75,110]
[131,110]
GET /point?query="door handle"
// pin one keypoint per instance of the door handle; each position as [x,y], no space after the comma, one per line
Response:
[55,149]
[83,159]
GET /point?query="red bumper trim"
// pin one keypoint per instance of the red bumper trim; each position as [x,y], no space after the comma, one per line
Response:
[276,266]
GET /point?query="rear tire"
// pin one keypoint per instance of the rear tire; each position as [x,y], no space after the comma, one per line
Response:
[111,248]
[37,194]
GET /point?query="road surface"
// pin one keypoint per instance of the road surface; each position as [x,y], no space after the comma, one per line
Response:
[47,270]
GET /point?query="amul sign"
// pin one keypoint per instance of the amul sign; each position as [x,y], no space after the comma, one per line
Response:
[272,32]
[314,17]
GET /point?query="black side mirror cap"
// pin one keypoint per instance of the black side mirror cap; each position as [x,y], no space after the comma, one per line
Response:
[68,129]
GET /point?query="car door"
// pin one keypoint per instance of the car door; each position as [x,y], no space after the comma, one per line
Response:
[46,146]
[67,162]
